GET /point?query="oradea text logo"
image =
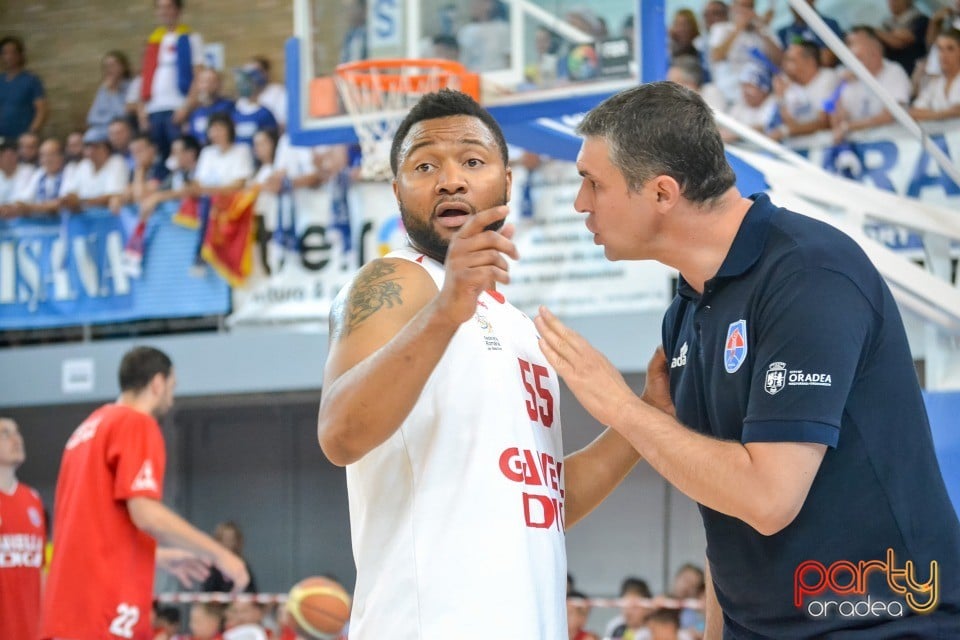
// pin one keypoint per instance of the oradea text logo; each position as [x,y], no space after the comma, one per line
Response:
[841,589]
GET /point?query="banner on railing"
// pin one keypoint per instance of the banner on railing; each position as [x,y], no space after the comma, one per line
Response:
[310,245]
[891,159]
[71,270]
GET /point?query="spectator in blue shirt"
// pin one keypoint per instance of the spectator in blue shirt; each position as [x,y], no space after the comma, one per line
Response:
[209,102]
[23,104]
[249,116]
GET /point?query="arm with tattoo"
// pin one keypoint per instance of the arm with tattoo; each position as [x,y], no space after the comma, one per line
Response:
[386,338]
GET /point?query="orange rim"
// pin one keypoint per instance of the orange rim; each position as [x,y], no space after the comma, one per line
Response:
[366,74]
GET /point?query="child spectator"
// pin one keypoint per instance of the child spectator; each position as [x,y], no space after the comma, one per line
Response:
[206,621]
[757,104]
[578,610]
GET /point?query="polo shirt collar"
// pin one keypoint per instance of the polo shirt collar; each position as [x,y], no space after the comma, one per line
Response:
[747,244]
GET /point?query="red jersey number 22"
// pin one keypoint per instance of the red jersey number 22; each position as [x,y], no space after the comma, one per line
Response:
[127,618]
[539,401]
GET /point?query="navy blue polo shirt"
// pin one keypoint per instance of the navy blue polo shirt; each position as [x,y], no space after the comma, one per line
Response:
[17,97]
[798,339]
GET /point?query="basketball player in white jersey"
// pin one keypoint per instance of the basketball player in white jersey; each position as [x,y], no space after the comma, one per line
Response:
[441,406]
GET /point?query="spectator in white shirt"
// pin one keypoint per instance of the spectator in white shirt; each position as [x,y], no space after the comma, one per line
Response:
[224,165]
[28,146]
[168,77]
[940,100]
[100,179]
[14,175]
[858,107]
[757,104]
[120,135]
[732,46]
[46,188]
[803,91]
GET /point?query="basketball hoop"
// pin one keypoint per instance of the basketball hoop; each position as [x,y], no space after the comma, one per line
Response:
[378,94]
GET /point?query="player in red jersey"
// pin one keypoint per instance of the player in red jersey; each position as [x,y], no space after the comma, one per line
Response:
[109,515]
[23,534]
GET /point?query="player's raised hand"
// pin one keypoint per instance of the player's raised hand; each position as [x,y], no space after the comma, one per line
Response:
[476,262]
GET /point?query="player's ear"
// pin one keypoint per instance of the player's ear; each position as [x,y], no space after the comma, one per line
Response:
[666,191]
[509,175]
[157,383]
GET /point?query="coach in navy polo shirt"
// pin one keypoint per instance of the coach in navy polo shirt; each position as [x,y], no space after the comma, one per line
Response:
[799,425]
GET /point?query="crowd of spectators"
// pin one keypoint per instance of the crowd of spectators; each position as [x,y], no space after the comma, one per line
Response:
[170,130]
[787,83]
[165,133]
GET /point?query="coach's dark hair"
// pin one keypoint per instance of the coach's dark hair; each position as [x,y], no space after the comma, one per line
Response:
[140,365]
[443,104]
[662,128]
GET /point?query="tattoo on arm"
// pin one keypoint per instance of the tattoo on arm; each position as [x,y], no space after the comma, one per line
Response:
[376,288]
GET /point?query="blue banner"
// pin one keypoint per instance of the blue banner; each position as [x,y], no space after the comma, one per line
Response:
[70,270]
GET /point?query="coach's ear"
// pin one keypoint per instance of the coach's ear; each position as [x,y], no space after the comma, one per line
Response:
[666,191]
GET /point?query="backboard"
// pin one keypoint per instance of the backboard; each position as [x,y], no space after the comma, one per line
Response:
[537,59]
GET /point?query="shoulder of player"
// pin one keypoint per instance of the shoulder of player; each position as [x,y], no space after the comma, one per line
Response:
[383,291]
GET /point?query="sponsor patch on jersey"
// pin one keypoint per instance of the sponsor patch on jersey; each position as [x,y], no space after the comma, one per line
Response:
[779,376]
[491,340]
[735,346]
[681,359]
[145,480]
[34,515]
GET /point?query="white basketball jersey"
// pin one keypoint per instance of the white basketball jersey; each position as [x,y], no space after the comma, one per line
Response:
[457,519]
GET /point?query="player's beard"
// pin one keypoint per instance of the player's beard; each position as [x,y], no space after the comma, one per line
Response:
[423,233]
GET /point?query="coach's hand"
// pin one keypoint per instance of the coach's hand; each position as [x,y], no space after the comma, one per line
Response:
[591,377]
[475,262]
[656,389]
[233,569]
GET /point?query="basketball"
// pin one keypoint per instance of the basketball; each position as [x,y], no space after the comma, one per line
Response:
[318,607]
